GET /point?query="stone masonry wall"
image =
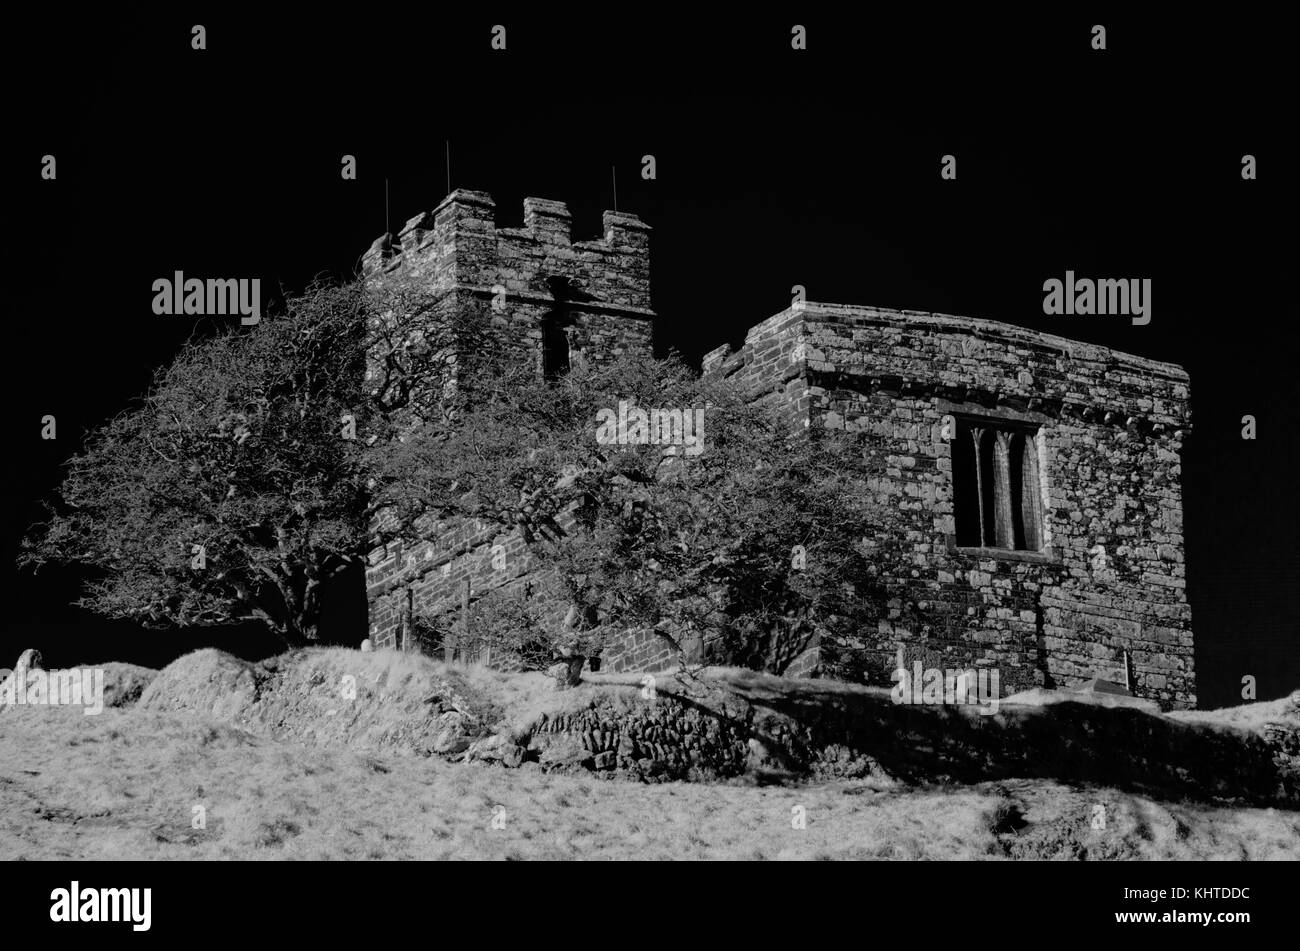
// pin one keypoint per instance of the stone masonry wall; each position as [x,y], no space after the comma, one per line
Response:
[1110,430]
[430,579]
[1108,579]
[599,289]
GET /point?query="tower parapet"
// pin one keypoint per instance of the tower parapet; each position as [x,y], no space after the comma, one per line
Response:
[458,247]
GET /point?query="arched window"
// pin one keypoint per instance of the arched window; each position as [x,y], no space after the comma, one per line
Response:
[997,493]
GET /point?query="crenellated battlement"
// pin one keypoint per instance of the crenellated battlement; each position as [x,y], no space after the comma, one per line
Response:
[458,245]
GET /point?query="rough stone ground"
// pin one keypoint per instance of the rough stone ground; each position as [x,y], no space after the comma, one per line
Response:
[286,764]
[123,785]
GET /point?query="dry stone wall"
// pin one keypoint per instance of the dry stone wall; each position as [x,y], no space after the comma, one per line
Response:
[732,724]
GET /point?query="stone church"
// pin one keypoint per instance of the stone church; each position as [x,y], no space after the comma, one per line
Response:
[1036,479]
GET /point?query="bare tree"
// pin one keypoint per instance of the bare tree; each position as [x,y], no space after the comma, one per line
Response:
[254,470]
[749,548]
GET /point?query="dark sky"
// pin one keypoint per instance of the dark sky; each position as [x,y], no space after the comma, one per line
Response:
[774,168]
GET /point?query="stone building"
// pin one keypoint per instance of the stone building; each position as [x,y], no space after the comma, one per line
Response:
[1037,528]
[557,301]
[1038,525]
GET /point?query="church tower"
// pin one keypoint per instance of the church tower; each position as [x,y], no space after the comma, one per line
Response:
[557,301]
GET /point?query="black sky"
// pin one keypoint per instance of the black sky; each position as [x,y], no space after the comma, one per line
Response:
[775,168]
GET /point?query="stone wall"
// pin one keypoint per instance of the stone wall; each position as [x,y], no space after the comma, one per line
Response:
[653,740]
[597,290]
[723,724]
[1109,576]
[642,650]
[1103,587]
[600,289]
[408,581]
